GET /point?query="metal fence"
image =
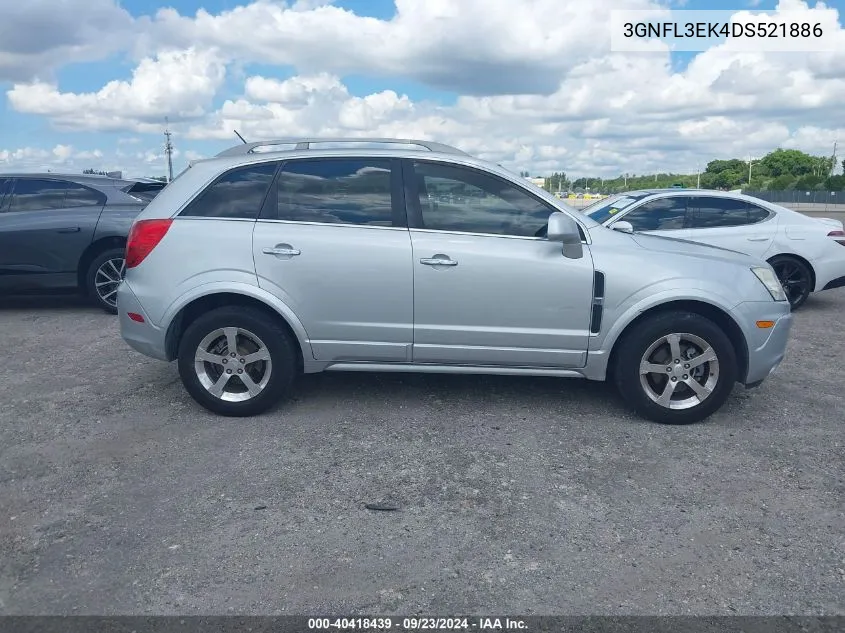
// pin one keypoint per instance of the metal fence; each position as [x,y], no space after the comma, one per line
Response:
[795,197]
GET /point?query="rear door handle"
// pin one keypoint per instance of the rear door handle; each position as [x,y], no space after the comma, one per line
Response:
[438,260]
[69,229]
[282,250]
[757,239]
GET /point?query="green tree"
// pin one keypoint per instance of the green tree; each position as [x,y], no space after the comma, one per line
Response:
[835,183]
[782,182]
[719,166]
[788,161]
[808,181]
[94,172]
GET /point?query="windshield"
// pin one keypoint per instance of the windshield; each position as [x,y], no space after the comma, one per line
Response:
[606,209]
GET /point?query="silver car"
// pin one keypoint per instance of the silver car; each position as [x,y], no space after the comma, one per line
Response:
[255,266]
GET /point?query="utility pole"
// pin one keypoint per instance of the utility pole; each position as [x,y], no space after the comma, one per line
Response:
[168,150]
[749,170]
[698,181]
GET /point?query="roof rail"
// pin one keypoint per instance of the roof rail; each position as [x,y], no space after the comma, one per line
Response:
[305,143]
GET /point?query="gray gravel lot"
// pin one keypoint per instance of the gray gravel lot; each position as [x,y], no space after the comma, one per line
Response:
[533,496]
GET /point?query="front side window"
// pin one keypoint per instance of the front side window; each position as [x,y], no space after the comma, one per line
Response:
[35,194]
[708,212]
[454,198]
[662,214]
[336,191]
[238,194]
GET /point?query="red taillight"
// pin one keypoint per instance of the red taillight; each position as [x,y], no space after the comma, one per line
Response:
[838,236]
[143,238]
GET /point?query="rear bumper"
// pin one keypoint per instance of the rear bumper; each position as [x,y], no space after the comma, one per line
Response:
[142,337]
[766,347]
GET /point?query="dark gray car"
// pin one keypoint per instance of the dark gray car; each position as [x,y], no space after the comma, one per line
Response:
[62,232]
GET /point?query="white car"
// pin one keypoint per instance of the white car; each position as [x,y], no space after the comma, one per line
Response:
[808,254]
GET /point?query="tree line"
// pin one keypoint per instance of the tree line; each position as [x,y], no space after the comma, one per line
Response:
[780,170]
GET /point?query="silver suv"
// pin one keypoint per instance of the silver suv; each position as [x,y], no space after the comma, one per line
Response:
[332,255]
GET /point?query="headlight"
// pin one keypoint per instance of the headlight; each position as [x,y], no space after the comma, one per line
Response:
[768,278]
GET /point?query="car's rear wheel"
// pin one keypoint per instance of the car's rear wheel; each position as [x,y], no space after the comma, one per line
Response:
[675,368]
[795,277]
[104,275]
[237,361]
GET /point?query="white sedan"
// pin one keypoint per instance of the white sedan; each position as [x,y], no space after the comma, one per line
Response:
[808,254]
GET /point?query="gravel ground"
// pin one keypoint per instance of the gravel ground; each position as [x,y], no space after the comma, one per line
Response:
[532,496]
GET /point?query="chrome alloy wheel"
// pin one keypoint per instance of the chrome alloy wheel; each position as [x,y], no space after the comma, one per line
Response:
[679,371]
[108,278]
[233,364]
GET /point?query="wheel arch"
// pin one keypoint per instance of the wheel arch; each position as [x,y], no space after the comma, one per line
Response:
[91,252]
[707,310]
[188,313]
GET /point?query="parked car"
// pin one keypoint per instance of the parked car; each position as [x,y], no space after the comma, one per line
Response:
[805,252]
[252,267]
[67,232]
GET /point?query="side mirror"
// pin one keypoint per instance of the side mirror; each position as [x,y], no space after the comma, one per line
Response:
[623,226]
[564,229]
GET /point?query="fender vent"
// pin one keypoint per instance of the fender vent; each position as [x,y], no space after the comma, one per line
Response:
[598,302]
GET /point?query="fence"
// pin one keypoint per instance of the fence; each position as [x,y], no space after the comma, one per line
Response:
[792,197]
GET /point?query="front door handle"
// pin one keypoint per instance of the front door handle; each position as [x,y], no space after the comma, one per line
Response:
[282,250]
[757,239]
[69,229]
[438,260]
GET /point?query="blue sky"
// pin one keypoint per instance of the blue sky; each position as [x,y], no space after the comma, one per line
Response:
[431,90]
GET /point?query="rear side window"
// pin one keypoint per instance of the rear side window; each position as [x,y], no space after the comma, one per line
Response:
[238,193]
[336,191]
[79,196]
[35,194]
[663,214]
[756,214]
[708,212]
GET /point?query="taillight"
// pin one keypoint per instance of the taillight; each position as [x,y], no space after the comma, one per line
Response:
[838,236]
[143,238]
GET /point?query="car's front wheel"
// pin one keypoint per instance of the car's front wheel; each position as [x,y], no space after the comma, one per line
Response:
[237,361]
[675,368]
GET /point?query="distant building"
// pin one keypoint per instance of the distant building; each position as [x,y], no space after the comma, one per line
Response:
[540,182]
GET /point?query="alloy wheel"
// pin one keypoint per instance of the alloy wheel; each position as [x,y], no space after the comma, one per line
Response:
[679,371]
[793,278]
[108,278]
[233,364]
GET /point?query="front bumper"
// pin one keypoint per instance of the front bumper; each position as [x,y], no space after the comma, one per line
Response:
[766,346]
[142,337]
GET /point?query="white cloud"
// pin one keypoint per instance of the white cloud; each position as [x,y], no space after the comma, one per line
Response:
[539,87]
[178,84]
[67,159]
[39,35]
[471,46]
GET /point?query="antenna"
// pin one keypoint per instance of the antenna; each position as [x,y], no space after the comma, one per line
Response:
[168,150]
[240,137]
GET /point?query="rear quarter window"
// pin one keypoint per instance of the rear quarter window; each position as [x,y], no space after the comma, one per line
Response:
[237,194]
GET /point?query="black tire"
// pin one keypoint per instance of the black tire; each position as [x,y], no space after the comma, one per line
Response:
[96,282]
[795,277]
[270,332]
[636,342]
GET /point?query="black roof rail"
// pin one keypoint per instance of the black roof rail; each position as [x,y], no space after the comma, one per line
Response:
[305,143]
